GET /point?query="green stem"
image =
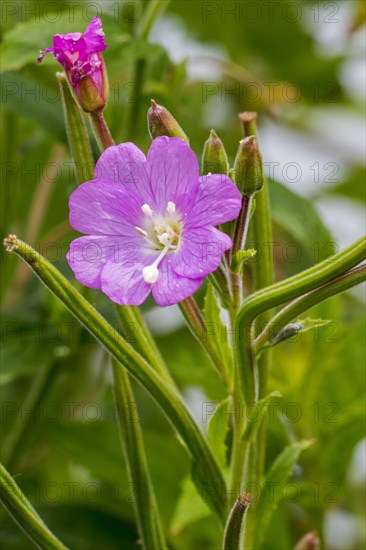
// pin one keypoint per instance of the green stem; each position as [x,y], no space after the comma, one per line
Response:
[243,395]
[147,514]
[235,524]
[242,224]
[306,281]
[305,302]
[152,12]
[101,130]
[209,475]
[261,228]
[25,515]
[76,133]
[196,323]
[138,79]
[134,329]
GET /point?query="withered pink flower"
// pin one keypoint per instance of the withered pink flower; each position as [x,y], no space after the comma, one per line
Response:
[80,56]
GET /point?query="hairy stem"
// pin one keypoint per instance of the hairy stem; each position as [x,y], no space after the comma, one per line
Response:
[145,505]
[101,130]
[19,507]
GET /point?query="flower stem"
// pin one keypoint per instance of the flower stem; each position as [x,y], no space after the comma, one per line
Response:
[152,12]
[235,523]
[242,224]
[147,514]
[134,329]
[208,472]
[196,323]
[101,130]
[25,515]
[305,302]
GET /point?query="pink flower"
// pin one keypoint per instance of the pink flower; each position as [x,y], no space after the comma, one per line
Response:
[150,223]
[79,54]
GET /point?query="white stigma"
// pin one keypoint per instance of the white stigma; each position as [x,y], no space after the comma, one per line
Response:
[170,207]
[146,210]
[150,274]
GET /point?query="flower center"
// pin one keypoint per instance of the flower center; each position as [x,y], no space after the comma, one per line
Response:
[162,233]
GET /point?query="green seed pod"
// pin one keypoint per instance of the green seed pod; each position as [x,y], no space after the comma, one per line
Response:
[161,123]
[214,158]
[248,167]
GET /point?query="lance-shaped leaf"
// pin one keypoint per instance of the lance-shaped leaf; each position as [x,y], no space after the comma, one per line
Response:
[19,507]
[77,134]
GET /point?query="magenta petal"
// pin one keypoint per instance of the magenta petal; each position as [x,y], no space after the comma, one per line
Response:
[125,164]
[200,251]
[171,288]
[88,255]
[122,281]
[105,208]
[218,201]
[174,172]
[94,36]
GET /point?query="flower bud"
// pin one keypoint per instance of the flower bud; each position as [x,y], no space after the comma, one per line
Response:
[214,158]
[161,123]
[248,167]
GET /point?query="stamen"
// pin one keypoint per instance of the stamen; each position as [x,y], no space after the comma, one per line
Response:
[141,231]
[170,207]
[146,210]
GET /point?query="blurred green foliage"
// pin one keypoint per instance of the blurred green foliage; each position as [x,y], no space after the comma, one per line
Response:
[67,457]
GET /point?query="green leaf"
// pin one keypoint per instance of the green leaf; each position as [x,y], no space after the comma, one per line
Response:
[217,432]
[240,257]
[254,422]
[190,508]
[273,486]
[216,332]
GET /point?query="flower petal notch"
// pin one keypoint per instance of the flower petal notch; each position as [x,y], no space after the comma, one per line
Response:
[151,230]
[80,56]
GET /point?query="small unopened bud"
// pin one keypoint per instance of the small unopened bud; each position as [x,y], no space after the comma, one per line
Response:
[248,167]
[214,158]
[161,123]
[310,541]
